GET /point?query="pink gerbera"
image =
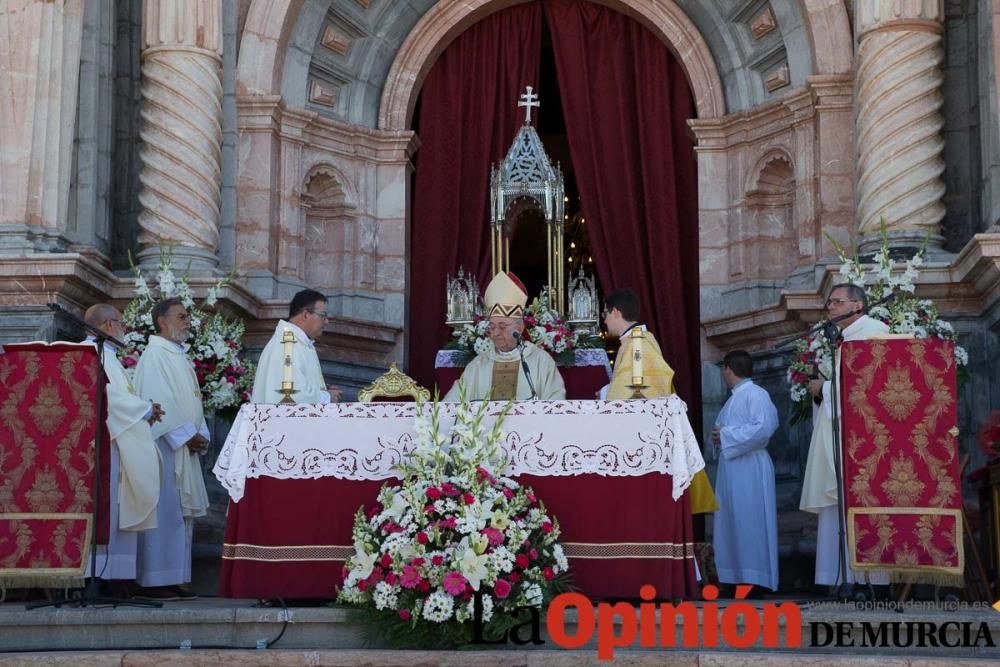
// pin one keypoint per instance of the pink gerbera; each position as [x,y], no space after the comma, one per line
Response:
[454,583]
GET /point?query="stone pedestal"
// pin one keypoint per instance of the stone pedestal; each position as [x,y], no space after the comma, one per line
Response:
[899,121]
[182,130]
[39,75]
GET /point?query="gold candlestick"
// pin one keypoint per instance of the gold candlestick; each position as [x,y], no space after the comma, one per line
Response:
[287,388]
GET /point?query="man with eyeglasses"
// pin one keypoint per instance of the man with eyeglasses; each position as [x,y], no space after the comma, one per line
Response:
[135,461]
[307,316]
[166,376]
[498,372]
[819,491]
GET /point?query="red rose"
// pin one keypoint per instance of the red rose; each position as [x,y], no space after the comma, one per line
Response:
[547,527]
[422,537]
[469,498]
[514,577]
[522,561]
[501,588]
[533,555]
[390,578]
[437,560]
[362,585]
[404,614]
[424,586]
[548,573]
[433,493]
[386,560]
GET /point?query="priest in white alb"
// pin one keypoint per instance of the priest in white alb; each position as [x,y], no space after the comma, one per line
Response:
[166,376]
[307,315]
[819,490]
[745,527]
[135,461]
[499,373]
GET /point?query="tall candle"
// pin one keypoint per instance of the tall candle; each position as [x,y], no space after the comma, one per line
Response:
[637,336]
[287,340]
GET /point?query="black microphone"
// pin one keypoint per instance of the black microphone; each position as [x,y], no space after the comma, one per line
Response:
[524,364]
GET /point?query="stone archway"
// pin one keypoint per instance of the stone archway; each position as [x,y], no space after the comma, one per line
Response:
[448,18]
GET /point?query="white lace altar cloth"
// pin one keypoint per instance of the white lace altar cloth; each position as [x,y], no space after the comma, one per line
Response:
[365,441]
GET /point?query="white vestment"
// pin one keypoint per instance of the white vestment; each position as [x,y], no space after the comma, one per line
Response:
[819,489]
[745,527]
[478,376]
[166,376]
[135,473]
[307,374]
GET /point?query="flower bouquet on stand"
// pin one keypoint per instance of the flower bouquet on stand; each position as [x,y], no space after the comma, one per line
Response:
[213,346]
[904,314]
[455,534]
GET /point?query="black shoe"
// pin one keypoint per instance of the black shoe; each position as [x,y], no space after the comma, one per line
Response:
[183,593]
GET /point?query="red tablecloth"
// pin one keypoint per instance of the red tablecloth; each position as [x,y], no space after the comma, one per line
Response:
[289,538]
[582,382]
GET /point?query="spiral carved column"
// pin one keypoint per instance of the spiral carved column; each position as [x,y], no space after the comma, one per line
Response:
[182,129]
[899,121]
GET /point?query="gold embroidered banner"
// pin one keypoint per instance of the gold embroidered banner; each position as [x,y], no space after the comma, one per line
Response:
[48,409]
[901,472]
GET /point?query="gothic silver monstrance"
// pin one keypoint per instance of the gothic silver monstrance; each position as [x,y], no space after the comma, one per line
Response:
[526,177]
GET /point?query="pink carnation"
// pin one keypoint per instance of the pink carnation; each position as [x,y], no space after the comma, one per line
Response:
[501,588]
[493,535]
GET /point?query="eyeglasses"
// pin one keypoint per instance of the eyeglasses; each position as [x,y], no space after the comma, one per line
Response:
[320,313]
[831,302]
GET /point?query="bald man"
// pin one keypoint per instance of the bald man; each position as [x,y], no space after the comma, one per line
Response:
[135,461]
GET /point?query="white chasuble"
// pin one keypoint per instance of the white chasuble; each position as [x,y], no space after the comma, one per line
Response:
[478,376]
[307,374]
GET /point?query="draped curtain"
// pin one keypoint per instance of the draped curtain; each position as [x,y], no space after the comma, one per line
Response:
[468,118]
[626,102]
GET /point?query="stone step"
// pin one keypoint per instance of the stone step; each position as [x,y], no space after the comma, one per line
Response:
[215,623]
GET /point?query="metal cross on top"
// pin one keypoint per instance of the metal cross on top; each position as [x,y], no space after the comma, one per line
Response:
[528,100]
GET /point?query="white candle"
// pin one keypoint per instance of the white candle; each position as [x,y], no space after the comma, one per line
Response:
[287,340]
[637,356]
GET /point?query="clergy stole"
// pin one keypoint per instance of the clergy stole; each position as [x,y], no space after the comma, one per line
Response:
[504,386]
[166,375]
[659,377]
[139,486]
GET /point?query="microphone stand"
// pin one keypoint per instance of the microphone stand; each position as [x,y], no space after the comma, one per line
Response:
[91,592]
[524,365]
[833,334]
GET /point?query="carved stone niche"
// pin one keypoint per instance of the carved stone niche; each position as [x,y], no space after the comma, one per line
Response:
[330,240]
[769,247]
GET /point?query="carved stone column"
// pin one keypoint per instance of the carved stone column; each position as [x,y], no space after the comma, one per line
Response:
[39,77]
[182,129]
[899,121]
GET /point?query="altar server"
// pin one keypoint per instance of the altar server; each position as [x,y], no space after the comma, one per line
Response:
[745,534]
[166,376]
[307,315]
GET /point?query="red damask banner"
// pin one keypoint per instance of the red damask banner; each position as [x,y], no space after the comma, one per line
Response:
[48,411]
[901,469]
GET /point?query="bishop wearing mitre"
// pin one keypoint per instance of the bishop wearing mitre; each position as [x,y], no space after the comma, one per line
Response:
[498,373]
[135,461]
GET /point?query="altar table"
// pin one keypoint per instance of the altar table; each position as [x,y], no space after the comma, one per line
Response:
[613,474]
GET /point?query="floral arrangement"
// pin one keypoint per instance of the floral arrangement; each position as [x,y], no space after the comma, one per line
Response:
[213,344]
[989,435]
[904,314]
[542,326]
[455,529]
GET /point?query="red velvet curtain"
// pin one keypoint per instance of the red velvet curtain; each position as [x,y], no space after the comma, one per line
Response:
[468,119]
[626,102]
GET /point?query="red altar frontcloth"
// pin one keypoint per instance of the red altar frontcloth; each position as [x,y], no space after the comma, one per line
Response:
[48,398]
[901,469]
[289,538]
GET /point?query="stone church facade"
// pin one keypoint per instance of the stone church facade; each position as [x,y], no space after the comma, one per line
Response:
[284,128]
